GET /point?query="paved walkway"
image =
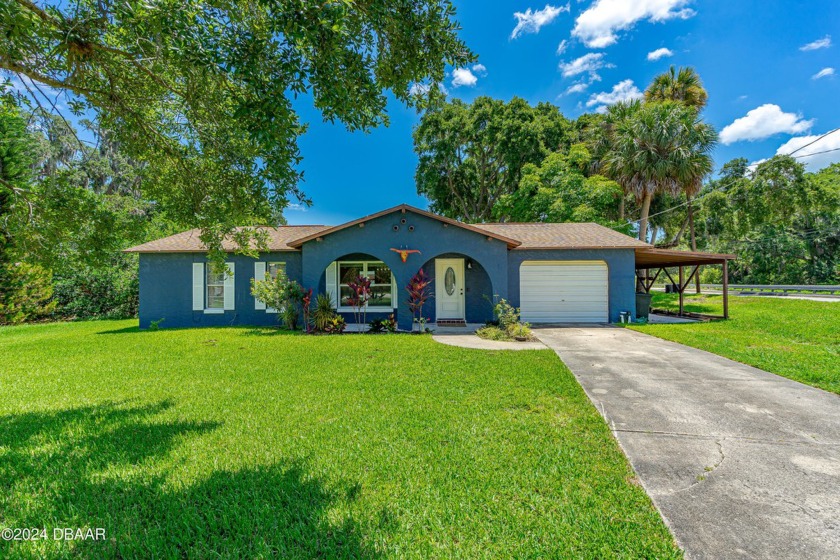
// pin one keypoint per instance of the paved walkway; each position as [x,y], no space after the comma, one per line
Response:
[472,341]
[740,462]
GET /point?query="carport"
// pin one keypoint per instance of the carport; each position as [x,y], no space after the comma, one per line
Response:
[660,260]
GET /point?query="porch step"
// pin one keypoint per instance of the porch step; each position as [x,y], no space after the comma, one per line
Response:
[451,323]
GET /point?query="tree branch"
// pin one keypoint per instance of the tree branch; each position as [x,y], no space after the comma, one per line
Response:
[43,14]
[12,66]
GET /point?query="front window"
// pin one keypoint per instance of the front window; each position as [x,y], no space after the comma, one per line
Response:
[273,268]
[215,288]
[381,282]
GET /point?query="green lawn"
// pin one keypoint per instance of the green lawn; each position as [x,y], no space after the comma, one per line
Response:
[252,443]
[799,339]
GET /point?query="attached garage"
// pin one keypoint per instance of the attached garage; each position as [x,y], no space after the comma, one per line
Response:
[564,291]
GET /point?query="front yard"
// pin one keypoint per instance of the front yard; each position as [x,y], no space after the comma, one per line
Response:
[798,339]
[251,443]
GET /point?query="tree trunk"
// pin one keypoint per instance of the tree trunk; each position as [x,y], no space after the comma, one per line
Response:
[643,223]
[693,242]
[654,231]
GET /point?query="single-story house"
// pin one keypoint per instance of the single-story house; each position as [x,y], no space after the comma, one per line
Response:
[569,272]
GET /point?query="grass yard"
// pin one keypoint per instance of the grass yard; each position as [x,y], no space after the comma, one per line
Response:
[253,443]
[798,339]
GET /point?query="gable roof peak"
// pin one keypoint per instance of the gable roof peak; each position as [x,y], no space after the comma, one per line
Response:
[406,208]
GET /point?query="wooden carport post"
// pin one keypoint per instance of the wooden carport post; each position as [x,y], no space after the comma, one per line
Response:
[681,289]
[725,289]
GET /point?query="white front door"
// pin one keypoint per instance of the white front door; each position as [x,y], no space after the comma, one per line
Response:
[449,288]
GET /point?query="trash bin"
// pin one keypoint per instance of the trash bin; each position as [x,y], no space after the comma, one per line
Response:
[642,305]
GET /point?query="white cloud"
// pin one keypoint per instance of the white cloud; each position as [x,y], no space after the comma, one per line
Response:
[423,89]
[418,89]
[589,63]
[763,122]
[463,77]
[579,87]
[754,165]
[625,90]
[561,48]
[597,26]
[823,73]
[480,69]
[823,43]
[531,21]
[659,53]
[817,162]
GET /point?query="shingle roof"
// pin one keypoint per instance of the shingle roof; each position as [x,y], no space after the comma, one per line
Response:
[519,236]
[564,236]
[189,242]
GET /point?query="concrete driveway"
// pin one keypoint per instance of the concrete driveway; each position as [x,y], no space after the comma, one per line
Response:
[740,462]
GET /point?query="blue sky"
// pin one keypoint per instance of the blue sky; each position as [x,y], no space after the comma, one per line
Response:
[759,60]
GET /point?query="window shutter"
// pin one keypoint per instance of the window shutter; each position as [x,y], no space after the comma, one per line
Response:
[259,274]
[332,283]
[229,285]
[198,286]
[394,294]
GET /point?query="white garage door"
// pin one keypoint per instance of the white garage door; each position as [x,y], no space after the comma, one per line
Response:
[564,291]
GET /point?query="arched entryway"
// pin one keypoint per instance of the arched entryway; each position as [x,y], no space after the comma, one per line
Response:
[462,289]
[336,277]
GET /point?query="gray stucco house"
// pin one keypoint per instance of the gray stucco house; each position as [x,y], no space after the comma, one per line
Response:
[571,272]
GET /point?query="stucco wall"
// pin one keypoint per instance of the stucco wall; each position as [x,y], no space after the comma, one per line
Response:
[430,236]
[166,279]
[166,290]
[621,265]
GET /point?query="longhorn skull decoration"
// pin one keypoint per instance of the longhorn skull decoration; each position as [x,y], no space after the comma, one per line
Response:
[405,252]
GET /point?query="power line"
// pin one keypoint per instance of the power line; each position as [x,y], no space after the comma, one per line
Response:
[813,142]
[818,153]
[707,193]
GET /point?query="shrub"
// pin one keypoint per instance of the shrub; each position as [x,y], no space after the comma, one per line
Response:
[306,303]
[323,313]
[386,325]
[520,330]
[506,314]
[359,296]
[102,292]
[25,293]
[418,292]
[282,294]
[711,275]
[492,332]
[335,325]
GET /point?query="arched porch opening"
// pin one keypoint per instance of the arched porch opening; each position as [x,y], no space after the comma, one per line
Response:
[335,280]
[478,287]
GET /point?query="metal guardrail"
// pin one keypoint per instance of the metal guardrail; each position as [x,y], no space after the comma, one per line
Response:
[775,288]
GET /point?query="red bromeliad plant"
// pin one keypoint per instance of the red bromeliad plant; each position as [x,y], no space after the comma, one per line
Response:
[418,292]
[359,296]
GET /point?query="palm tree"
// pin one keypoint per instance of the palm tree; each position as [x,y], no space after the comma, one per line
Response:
[655,148]
[683,86]
[602,143]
